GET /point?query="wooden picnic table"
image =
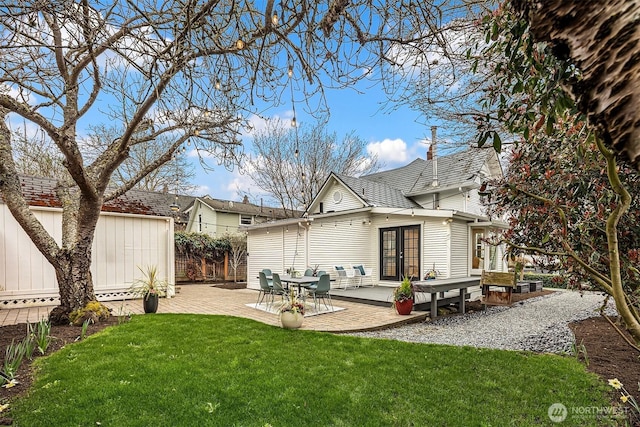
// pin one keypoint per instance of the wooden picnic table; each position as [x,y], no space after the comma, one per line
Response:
[436,286]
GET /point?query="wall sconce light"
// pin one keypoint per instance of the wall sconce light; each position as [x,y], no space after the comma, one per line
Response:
[447,221]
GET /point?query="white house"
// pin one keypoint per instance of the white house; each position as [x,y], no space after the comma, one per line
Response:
[134,230]
[401,222]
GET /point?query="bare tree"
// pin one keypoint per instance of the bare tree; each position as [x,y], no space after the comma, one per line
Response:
[174,176]
[292,163]
[445,75]
[191,70]
[238,252]
[36,157]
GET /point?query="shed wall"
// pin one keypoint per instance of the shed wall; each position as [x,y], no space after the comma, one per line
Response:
[121,244]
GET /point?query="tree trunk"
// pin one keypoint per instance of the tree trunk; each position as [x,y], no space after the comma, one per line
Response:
[75,284]
[601,38]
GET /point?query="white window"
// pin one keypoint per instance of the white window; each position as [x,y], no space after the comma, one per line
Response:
[246,219]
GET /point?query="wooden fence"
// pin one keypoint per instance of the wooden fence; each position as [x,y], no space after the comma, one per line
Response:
[199,269]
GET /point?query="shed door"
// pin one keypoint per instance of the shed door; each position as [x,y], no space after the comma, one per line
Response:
[400,252]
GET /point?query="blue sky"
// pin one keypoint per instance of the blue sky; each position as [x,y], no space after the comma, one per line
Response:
[396,136]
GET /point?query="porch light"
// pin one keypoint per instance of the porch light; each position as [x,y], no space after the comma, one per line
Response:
[447,221]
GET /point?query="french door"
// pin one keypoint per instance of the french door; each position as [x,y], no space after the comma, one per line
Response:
[400,252]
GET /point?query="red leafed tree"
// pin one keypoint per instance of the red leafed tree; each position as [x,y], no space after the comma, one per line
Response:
[565,194]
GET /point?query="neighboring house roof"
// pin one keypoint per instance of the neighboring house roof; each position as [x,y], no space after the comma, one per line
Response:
[246,208]
[41,192]
[376,193]
[452,170]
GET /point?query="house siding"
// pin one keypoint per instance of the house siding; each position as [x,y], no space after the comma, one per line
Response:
[227,223]
[350,243]
[459,249]
[266,250]
[349,200]
[295,248]
[436,247]
[474,204]
[453,200]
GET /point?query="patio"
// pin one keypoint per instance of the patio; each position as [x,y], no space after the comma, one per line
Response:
[208,299]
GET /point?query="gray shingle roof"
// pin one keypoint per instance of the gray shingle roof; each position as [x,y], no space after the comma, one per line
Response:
[377,193]
[247,208]
[417,177]
[394,188]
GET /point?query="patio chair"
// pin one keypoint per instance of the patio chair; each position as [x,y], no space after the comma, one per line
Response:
[321,291]
[362,274]
[308,272]
[267,272]
[265,290]
[278,289]
[345,276]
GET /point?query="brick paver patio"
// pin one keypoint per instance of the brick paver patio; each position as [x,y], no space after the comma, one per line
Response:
[207,299]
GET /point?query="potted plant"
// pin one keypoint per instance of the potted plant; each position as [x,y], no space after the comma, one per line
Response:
[150,288]
[431,274]
[403,297]
[291,312]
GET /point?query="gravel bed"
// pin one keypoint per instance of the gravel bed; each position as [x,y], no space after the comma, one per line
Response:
[536,324]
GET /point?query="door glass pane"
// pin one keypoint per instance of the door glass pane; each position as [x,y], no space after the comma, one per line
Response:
[411,253]
[478,248]
[389,253]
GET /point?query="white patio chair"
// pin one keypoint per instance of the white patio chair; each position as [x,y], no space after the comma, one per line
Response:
[345,275]
[363,274]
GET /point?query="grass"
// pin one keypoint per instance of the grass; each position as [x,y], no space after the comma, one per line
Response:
[172,369]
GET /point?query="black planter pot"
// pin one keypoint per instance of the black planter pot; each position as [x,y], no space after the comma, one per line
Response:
[150,303]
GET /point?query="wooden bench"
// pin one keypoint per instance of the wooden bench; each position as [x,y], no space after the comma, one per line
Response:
[507,281]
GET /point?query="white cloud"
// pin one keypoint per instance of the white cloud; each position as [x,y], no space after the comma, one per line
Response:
[201,190]
[257,123]
[389,150]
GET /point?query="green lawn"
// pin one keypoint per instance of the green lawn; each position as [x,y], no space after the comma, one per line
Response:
[195,370]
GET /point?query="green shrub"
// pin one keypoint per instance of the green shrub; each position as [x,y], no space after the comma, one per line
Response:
[558,281]
[93,312]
